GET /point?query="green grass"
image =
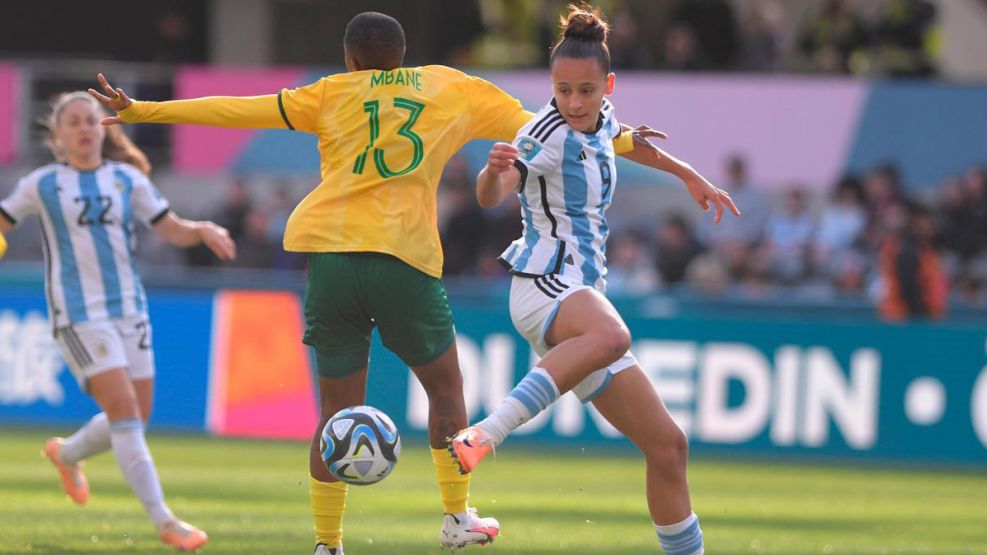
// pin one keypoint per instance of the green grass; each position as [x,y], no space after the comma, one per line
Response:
[251,497]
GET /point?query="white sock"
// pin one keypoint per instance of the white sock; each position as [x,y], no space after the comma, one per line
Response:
[531,396]
[681,538]
[134,460]
[91,439]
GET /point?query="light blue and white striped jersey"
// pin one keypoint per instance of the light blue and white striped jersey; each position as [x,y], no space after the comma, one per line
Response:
[87,220]
[567,181]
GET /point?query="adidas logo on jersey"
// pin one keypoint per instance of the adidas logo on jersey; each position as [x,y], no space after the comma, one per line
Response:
[569,260]
[582,155]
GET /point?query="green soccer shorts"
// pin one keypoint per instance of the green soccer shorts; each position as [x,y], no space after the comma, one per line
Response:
[347,294]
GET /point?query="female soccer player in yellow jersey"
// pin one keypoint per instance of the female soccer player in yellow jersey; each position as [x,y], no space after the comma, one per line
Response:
[89,202]
[561,165]
[385,133]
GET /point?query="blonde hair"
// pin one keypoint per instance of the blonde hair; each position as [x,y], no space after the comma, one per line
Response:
[116,145]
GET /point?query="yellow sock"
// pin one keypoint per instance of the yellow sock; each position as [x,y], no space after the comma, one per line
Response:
[328,504]
[454,488]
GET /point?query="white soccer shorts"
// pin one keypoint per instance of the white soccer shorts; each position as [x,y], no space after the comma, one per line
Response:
[534,304]
[93,347]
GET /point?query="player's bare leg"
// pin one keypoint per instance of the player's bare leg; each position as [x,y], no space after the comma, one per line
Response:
[632,405]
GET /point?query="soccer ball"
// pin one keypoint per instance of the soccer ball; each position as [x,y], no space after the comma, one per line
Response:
[360,445]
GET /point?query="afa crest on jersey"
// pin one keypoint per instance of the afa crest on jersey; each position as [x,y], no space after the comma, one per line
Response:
[529,148]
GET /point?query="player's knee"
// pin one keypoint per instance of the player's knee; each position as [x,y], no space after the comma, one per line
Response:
[673,450]
[121,406]
[614,341]
[669,451]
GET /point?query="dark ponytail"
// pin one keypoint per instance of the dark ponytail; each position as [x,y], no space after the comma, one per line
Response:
[584,35]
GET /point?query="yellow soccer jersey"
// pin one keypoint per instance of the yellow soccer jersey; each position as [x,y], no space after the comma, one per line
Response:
[385,137]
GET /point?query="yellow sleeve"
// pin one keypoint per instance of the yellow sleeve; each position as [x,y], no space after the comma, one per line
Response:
[252,112]
[494,114]
[302,107]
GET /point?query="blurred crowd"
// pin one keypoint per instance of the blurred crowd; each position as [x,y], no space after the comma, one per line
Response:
[892,37]
[867,239]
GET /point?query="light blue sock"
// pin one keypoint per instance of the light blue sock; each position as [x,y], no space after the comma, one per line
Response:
[534,394]
[684,538]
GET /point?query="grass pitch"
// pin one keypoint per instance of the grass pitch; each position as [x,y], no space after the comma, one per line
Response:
[251,497]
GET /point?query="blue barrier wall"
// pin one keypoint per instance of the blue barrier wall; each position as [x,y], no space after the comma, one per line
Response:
[37,388]
[775,383]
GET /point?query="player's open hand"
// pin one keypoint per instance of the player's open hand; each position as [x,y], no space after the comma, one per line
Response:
[642,133]
[502,157]
[704,193]
[114,99]
[643,148]
[217,239]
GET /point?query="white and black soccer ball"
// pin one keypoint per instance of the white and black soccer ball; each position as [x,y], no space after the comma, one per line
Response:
[360,445]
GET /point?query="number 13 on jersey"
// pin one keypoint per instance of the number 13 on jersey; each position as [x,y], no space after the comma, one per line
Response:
[373,108]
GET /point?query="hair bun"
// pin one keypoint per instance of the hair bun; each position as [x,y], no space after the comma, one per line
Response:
[585,25]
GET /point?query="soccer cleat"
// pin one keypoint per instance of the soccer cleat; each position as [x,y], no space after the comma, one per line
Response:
[182,535]
[460,531]
[323,549]
[74,482]
[469,447]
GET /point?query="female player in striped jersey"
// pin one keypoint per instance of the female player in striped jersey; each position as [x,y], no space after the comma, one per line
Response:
[88,203]
[561,165]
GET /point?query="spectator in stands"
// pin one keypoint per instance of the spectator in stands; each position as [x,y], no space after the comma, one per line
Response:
[975,185]
[231,215]
[256,248]
[745,232]
[675,250]
[278,211]
[466,224]
[913,282]
[954,217]
[679,50]
[842,222]
[884,202]
[763,36]
[624,44]
[454,45]
[630,270]
[787,238]
[708,275]
[831,39]
[907,38]
[970,291]
[847,272]
[714,26]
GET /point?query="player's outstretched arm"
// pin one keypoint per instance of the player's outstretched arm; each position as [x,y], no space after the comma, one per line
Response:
[499,177]
[699,188]
[251,112]
[185,233]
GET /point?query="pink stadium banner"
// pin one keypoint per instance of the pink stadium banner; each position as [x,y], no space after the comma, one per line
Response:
[206,150]
[794,130]
[9,86]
